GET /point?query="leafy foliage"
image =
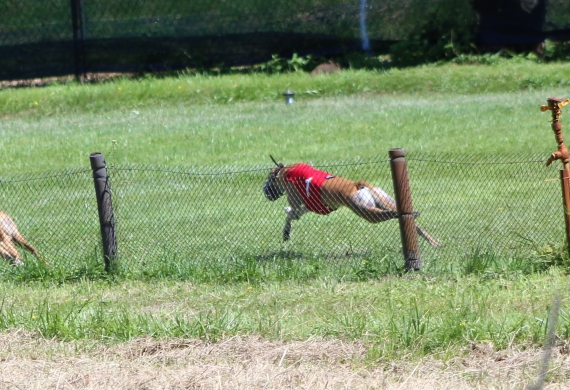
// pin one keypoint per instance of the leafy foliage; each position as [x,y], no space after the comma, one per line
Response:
[447,31]
[556,51]
[279,64]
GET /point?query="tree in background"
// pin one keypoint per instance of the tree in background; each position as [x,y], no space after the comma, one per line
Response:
[517,25]
[445,29]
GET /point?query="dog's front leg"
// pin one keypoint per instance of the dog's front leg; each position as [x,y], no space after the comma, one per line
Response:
[295,210]
[7,248]
[292,214]
[8,252]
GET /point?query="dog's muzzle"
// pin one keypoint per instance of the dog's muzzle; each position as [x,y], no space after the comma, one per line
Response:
[272,191]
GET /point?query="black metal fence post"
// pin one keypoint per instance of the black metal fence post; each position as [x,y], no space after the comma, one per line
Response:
[105,208]
[403,197]
[78,38]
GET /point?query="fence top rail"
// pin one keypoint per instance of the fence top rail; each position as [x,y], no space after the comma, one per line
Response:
[213,170]
[470,159]
[480,159]
[443,158]
[43,175]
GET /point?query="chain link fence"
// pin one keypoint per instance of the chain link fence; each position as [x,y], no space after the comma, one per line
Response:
[191,217]
[62,37]
[56,212]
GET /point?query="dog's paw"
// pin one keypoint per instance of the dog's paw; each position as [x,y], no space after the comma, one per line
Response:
[287,229]
[16,262]
[292,213]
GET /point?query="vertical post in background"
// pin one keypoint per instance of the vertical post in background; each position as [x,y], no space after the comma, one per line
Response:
[105,208]
[403,197]
[555,106]
[565,181]
[78,26]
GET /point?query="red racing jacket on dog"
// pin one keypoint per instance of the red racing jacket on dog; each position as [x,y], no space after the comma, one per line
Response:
[308,182]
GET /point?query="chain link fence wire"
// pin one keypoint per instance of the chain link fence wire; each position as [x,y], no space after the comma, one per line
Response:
[504,205]
[63,37]
[173,220]
[56,212]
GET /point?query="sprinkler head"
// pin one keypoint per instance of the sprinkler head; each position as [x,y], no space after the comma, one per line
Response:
[289,97]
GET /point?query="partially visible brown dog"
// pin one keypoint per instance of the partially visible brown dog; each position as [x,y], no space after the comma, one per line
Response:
[8,235]
[309,189]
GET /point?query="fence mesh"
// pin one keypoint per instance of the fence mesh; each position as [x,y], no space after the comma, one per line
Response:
[57,213]
[196,216]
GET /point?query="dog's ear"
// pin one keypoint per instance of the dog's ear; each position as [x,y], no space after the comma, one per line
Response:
[273,174]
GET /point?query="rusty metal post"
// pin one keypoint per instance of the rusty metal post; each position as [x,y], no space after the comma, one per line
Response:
[403,196]
[565,181]
[555,106]
[105,208]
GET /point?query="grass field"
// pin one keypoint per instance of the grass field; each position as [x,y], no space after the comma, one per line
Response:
[236,121]
[198,120]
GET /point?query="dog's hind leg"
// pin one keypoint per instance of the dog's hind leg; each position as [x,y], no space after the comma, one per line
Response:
[363,204]
[384,201]
[9,234]
[381,198]
[10,229]
[372,214]
[7,248]
[8,251]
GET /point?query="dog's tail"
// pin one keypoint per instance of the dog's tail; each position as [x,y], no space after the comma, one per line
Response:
[22,241]
[386,202]
[44,260]
[433,242]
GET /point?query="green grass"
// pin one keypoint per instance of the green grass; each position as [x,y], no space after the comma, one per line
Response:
[199,120]
[232,122]
[395,316]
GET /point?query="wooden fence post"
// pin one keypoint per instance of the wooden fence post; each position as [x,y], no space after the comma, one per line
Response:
[105,208]
[406,218]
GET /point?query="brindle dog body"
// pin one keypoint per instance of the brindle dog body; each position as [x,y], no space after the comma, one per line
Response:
[9,234]
[368,202]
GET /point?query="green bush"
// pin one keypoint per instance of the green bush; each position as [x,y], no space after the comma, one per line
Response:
[447,31]
[556,51]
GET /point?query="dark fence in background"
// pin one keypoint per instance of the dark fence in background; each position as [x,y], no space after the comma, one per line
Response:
[173,217]
[61,37]
[521,22]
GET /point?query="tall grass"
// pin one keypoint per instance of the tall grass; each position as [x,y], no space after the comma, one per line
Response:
[502,76]
[395,316]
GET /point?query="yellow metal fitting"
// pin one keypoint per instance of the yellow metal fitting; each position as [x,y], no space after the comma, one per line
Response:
[555,106]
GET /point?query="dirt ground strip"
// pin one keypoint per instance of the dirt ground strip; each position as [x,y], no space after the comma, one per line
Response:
[41,82]
[27,362]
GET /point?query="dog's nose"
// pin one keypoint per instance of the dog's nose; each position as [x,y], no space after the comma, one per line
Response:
[271,192]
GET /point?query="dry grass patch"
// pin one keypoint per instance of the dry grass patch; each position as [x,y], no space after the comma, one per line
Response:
[29,362]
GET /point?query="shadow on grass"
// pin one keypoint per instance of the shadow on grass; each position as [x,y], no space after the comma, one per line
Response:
[279,255]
